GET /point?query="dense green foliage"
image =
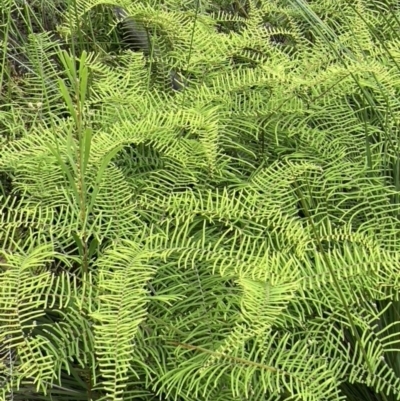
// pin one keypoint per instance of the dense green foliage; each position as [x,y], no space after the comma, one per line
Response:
[234,240]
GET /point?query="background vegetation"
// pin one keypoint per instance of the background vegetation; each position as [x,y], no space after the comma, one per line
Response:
[235,237]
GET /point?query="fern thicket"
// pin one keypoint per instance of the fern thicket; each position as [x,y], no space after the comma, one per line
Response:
[234,240]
